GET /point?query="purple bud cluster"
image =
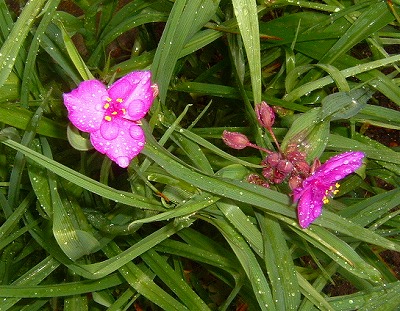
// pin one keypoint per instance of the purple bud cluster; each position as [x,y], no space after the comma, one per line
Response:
[289,166]
[278,167]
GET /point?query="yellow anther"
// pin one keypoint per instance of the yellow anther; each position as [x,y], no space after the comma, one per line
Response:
[106,106]
[123,111]
[107,118]
[108,99]
[119,100]
[325,200]
[114,113]
[337,187]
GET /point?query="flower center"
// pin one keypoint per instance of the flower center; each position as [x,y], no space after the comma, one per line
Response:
[113,109]
[330,193]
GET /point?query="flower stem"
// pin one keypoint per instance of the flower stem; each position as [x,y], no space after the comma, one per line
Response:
[259,148]
[275,140]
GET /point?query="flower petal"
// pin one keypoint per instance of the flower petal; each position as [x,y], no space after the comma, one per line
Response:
[85,105]
[109,130]
[136,92]
[339,166]
[313,189]
[127,144]
[309,207]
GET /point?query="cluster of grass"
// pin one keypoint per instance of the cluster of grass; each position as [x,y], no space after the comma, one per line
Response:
[180,229]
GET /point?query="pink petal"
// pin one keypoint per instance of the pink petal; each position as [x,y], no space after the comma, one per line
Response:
[311,193]
[137,94]
[309,207]
[339,166]
[85,105]
[109,130]
[124,146]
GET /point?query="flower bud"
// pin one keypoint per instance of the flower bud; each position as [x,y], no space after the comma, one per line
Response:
[302,167]
[295,181]
[295,156]
[265,115]
[257,180]
[284,166]
[278,177]
[235,140]
[268,172]
[272,159]
[315,165]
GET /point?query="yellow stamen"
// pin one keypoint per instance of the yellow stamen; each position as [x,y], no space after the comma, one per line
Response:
[114,113]
[123,111]
[119,100]
[329,192]
[337,187]
[106,106]
[107,118]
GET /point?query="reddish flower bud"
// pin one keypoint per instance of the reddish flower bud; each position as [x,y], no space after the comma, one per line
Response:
[278,177]
[295,181]
[294,156]
[302,167]
[265,115]
[257,180]
[316,164]
[291,147]
[235,140]
[272,159]
[268,172]
[285,167]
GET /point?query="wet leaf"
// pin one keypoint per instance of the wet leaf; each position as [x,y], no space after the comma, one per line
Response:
[344,105]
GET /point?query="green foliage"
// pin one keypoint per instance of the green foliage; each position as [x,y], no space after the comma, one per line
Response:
[181,228]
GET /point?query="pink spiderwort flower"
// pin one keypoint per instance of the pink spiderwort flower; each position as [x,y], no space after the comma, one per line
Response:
[315,189]
[112,115]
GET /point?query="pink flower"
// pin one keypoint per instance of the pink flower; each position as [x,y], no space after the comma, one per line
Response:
[112,115]
[322,184]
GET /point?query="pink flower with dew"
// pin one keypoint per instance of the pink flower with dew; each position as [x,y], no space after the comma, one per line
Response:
[112,116]
[315,190]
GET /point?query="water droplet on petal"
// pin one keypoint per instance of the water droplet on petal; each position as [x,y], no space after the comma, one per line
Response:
[136,132]
[122,161]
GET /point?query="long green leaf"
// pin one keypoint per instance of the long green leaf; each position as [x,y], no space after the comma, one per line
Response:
[186,18]
[249,263]
[84,181]
[58,290]
[247,19]
[280,266]
[9,50]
